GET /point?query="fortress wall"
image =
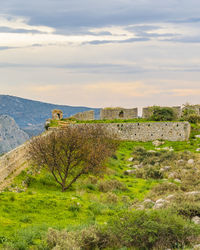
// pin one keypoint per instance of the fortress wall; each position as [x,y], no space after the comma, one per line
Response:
[12,161]
[146,131]
[85,116]
[118,113]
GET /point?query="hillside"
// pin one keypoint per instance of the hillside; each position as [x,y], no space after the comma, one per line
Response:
[154,193]
[11,135]
[31,115]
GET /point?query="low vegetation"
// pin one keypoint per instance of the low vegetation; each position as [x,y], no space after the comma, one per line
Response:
[146,198]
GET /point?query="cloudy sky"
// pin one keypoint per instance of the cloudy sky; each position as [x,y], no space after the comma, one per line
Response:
[101,53]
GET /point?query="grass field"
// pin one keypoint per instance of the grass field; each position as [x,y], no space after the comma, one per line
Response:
[34,202]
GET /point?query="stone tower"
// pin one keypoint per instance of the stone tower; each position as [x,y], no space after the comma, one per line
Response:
[57,114]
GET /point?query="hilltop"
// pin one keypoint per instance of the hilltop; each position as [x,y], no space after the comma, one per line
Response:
[31,115]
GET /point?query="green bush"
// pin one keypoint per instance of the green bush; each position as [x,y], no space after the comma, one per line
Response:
[194,118]
[150,229]
[162,114]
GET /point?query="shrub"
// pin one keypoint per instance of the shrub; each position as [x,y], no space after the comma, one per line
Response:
[163,188]
[162,114]
[194,118]
[84,239]
[110,185]
[61,240]
[150,229]
[187,208]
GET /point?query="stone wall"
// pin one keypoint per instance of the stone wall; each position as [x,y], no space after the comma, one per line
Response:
[146,131]
[12,161]
[57,114]
[195,108]
[118,113]
[85,116]
[147,112]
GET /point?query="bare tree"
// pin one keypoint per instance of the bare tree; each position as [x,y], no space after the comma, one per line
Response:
[71,152]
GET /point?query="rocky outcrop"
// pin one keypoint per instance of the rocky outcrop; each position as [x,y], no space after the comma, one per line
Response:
[11,136]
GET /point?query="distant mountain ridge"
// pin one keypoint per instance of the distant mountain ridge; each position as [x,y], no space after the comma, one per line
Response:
[31,115]
[11,135]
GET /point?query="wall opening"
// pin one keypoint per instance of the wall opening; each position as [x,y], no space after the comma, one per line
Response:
[121,114]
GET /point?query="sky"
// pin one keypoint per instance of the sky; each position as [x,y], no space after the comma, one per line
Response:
[128,53]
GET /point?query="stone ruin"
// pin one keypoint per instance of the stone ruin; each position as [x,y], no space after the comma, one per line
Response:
[57,114]
[118,113]
[84,116]
[122,113]
[195,108]
[147,112]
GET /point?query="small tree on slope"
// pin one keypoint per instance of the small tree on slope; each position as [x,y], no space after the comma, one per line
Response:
[67,154]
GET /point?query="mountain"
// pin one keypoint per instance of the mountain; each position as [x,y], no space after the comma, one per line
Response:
[11,135]
[31,115]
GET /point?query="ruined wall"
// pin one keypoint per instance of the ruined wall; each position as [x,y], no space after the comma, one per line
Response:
[196,108]
[147,112]
[12,161]
[118,113]
[146,131]
[57,114]
[85,116]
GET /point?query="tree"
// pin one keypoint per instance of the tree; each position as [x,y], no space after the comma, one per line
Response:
[71,152]
[162,114]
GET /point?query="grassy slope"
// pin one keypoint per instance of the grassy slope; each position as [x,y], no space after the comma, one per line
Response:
[43,205]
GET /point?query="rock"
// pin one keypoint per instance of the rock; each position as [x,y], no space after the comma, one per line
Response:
[170,197]
[168,149]
[196,247]
[141,207]
[198,150]
[151,151]
[160,204]
[177,180]
[193,193]
[165,168]
[197,136]
[11,135]
[160,201]
[172,175]
[129,165]
[148,203]
[130,159]
[157,143]
[180,161]
[136,166]
[129,172]
[190,161]
[196,220]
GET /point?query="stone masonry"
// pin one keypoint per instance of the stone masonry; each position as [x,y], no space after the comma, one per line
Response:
[84,116]
[118,113]
[145,131]
[57,114]
[12,161]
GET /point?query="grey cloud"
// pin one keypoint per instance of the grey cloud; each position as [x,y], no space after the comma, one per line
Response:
[9,30]
[6,47]
[184,39]
[83,67]
[66,14]
[130,40]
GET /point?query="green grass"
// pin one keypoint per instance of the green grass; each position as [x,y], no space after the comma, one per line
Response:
[43,205]
[26,215]
[55,123]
